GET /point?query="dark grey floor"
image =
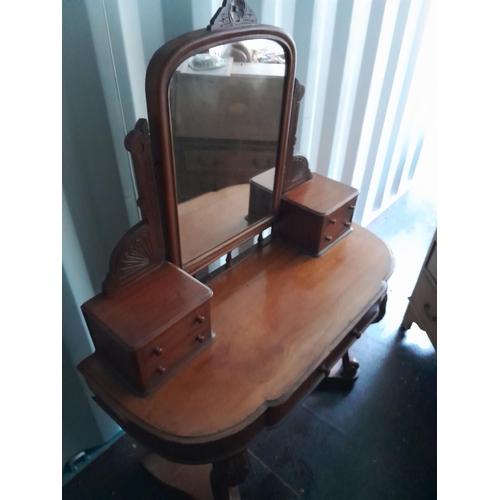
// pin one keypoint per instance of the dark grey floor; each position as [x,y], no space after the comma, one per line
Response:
[374,442]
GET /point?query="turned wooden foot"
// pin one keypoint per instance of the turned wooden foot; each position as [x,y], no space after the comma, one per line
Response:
[344,373]
[227,475]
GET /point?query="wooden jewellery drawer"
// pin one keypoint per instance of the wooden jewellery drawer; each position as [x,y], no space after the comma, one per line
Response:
[317,214]
[152,327]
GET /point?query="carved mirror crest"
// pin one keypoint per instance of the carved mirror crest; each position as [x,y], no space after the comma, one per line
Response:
[232,13]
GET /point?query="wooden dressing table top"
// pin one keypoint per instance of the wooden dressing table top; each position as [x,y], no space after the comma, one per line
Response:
[212,218]
[276,315]
[318,193]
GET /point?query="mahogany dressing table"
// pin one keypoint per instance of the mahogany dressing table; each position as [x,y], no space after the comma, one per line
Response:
[193,364]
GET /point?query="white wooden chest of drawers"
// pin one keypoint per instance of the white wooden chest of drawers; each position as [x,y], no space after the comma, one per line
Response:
[422,308]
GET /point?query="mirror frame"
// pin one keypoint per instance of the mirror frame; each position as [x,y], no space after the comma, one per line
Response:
[160,71]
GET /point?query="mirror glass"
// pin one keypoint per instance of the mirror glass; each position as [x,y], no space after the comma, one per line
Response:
[226,112]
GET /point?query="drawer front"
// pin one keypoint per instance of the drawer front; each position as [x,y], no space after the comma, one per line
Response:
[312,231]
[424,302]
[337,223]
[256,116]
[166,352]
[250,161]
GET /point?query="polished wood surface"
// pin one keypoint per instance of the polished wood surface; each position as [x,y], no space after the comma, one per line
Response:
[317,214]
[140,312]
[321,194]
[148,329]
[211,219]
[277,316]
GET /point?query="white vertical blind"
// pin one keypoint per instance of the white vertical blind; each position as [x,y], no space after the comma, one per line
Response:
[359,74]
[355,78]
[316,83]
[393,131]
[356,59]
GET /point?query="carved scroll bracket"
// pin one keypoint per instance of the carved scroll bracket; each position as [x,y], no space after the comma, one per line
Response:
[297,165]
[142,248]
[233,13]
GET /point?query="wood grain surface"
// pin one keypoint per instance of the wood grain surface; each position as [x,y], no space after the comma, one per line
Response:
[321,195]
[144,309]
[211,219]
[277,316]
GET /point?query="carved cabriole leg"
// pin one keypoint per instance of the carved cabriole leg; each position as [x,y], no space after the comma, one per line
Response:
[227,475]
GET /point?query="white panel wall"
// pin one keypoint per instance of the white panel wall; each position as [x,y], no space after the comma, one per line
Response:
[358,121]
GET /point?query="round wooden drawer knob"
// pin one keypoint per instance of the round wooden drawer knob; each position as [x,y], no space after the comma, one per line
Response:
[328,238]
[200,319]
[347,224]
[200,338]
[161,370]
[332,221]
[352,207]
[157,351]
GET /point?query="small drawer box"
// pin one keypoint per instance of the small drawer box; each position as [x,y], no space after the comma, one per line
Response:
[150,328]
[317,214]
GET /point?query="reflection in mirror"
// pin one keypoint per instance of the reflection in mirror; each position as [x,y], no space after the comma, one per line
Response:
[226,113]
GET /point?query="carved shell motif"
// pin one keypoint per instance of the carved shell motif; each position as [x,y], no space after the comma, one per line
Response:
[142,248]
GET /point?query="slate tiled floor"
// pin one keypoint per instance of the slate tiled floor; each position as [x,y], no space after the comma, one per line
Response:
[375,442]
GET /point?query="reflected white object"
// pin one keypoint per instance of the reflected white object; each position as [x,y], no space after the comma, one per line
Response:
[202,62]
